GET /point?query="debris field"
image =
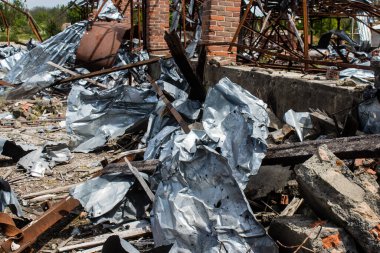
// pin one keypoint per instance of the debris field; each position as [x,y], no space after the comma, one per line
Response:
[163,126]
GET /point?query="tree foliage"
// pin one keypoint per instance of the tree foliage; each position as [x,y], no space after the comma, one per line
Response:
[48,20]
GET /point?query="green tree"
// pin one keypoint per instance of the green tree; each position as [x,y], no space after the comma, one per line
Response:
[52,28]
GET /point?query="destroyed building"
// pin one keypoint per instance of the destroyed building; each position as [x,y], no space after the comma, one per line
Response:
[193,126]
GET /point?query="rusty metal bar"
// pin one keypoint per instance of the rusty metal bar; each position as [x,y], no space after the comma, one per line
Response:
[114,69]
[5,22]
[131,33]
[305,32]
[144,23]
[262,35]
[242,21]
[170,107]
[184,21]
[32,231]
[99,10]
[125,8]
[289,58]
[139,23]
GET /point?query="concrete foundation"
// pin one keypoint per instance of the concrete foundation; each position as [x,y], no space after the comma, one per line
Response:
[283,90]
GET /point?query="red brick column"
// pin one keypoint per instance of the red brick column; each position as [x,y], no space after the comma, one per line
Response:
[157,24]
[220,21]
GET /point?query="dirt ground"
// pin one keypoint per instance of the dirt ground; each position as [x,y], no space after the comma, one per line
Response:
[81,168]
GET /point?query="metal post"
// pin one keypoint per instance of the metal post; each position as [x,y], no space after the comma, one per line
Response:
[184,21]
[242,21]
[145,27]
[305,32]
[375,64]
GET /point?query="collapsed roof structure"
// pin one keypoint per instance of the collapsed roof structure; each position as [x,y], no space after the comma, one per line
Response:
[148,130]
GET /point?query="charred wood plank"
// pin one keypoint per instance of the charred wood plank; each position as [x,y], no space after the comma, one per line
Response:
[202,59]
[367,146]
[198,91]
[147,167]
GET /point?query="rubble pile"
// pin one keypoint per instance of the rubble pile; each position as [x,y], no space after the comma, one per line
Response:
[119,161]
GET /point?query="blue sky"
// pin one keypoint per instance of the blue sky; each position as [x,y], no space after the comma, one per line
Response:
[45,3]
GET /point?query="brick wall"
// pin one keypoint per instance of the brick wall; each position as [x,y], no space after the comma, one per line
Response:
[220,21]
[157,24]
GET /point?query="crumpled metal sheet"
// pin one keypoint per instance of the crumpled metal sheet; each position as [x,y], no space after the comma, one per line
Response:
[237,121]
[133,206]
[101,194]
[369,115]
[32,70]
[256,10]
[115,244]
[10,62]
[192,46]
[201,208]
[45,158]
[155,144]
[109,11]
[200,202]
[364,31]
[93,117]
[176,14]
[9,199]
[173,83]
[2,142]
[11,149]
[172,80]
[358,73]
[299,120]
[7,51]
[124,57]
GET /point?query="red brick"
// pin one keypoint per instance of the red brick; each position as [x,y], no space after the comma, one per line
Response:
[221,19]
[157,23]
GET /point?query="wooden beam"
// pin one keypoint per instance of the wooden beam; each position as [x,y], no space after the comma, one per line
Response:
[141,180]
[148,167]
[198,91]
[131,233]
[100,85]
[366,146]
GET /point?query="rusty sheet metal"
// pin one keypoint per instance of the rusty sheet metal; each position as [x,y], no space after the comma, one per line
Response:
[98,46]
[32,231]
[8,226]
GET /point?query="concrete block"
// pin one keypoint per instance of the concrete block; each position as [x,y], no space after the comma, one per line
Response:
[336,194]
[322,236]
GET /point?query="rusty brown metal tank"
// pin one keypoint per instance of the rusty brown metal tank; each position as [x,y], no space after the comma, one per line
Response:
[100,44]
